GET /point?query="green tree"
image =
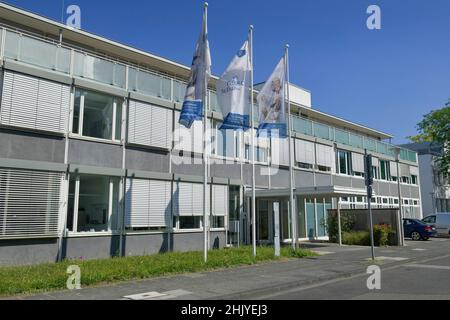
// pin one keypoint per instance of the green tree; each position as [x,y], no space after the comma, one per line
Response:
[435,127]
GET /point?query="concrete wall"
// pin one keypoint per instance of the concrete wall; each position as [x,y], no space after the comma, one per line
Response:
[147,160]
[95,154]
[28,251]
[87,248]
[31,146]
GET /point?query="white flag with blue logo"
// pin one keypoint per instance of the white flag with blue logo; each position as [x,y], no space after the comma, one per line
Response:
[233,92]
[272,106]
[200,73]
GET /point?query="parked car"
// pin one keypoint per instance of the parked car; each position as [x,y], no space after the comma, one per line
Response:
[441,221]
[418,230]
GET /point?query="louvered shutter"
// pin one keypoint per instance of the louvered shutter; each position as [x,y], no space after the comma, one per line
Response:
[147,203]
[414,170]
[357,162]
[220,200]
[393,167]
[280,151]
[325,155]
[188,199]
[34,103]
[30,203]
[304,152]
[150,125]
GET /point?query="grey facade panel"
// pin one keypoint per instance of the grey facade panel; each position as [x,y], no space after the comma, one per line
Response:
[280,179]
[28,252]
[303,179]
[406,191]
[383,189]
[415,192]
[95,154]
[358,183]
[323,180]
[184,242]
[187,165]
[145,244]
[30,146]
[261,175]
[232,171]
[88,248]
[147,160]
[342,181]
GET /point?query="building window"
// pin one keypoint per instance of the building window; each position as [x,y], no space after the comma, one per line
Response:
[217,222]
[324,169]
[344,162]
[406,180]
[225,142]
[384,170]
[97,115]
[374,172]
[303,165]
[93,203]
[414,179]
[189,222]
[359,174]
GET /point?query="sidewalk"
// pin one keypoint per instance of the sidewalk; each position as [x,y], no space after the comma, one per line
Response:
[248,282]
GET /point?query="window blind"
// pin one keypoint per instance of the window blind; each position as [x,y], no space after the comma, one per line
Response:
[34,103]
[30,203]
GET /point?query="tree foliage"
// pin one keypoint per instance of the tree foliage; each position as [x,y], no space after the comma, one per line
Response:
[435,127]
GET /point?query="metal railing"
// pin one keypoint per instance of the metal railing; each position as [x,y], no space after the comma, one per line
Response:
[52,55]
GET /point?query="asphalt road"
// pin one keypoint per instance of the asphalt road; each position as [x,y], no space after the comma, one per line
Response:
[426,278]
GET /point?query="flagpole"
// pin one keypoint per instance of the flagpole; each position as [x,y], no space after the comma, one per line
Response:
[252,147]
[291,182]
[205,158]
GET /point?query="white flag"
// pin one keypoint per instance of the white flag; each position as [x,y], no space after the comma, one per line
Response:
[233,92]
[272,106]
[200,73]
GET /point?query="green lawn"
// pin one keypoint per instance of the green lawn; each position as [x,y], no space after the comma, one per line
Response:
[48,277]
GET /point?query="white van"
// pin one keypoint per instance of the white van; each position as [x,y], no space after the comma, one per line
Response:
[441,221]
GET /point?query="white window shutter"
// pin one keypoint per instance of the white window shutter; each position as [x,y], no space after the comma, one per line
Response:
[137,203]
[220,200]
[357,162]
[150,125]
[34,103]
[280,151]
[393,167]
[30,203]
[147,203]
[304,152]
[325,155]
[414,170]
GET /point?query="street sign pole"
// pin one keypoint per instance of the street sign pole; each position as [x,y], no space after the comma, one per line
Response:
[369,183]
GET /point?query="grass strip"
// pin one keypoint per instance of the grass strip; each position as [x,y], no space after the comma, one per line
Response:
[50,277]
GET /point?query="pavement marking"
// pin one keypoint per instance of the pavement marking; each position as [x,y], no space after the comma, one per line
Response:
[426,266]
[154,295]
[145,296]
[389,258]
[419,249]
[322,253]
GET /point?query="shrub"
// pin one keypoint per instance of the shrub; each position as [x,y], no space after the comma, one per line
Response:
[382,235]
[356,238]
[332,225]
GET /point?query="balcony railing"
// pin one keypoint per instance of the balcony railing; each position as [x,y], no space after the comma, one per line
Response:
[53,56]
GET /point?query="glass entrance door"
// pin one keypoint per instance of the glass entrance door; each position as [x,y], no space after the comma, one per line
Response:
[262,218]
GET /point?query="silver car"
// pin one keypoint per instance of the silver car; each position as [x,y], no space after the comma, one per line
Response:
[441,221]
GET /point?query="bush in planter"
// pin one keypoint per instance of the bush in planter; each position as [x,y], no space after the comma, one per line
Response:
[382,234]
[332,225]
[356,238]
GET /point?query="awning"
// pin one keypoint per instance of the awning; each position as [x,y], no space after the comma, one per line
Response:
[326,191]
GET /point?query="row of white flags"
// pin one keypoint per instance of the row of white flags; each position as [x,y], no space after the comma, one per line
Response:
[233,90]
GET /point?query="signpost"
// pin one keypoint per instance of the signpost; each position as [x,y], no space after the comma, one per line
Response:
[276,219]
[369,184]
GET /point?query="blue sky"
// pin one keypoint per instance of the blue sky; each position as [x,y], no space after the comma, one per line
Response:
[386,79]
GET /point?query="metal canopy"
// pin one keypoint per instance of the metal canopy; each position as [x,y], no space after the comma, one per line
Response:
[326,191]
